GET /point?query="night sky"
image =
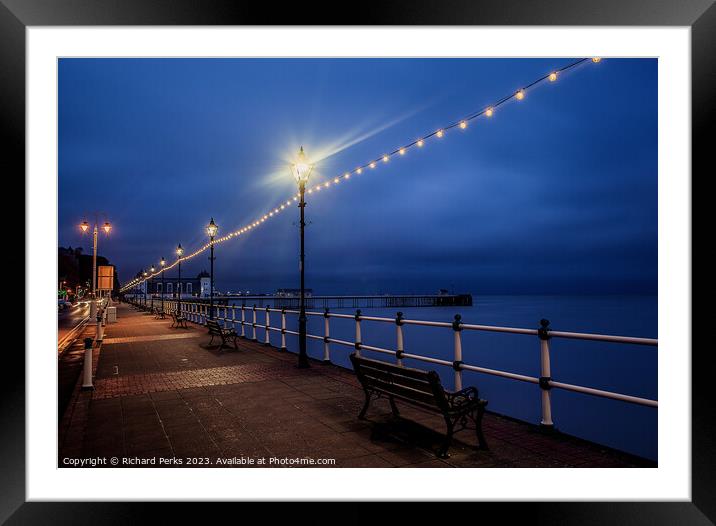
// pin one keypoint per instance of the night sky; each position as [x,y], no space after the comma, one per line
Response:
[554,194]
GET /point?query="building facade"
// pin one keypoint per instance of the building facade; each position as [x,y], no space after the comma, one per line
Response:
[170,286]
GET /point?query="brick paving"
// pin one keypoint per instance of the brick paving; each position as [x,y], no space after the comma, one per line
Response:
[163,394]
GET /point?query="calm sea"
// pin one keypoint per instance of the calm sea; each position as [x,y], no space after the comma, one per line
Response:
[628,369]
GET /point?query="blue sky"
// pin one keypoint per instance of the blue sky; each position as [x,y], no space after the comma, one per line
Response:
[554,194]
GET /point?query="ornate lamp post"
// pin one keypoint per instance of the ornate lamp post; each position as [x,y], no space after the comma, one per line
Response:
[180,252]
[161,264]
[151,286]
[144,275]
[211,229]
[301,171]
[84,227]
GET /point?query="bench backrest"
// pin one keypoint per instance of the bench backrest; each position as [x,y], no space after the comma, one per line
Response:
[415,385]
[213,326]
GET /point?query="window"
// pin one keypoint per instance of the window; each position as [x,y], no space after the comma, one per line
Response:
[158,290]
[188,288]
[170,288]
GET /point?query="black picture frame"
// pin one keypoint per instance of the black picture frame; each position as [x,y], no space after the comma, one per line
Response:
[699,15]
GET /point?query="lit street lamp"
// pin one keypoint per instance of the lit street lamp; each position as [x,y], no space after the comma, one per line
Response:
[211,229]
[161,264]
[179,251]
[144,283]
[301,171]
[84,226]
[151,285]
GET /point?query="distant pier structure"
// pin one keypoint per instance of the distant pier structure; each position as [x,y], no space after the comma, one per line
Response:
[357,302]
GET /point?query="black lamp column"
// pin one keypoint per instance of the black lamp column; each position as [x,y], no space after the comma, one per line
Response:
[211,229]
[161,264]
[180,251]
[302,355]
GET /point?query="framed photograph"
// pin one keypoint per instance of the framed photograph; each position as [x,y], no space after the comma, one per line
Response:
[316,260]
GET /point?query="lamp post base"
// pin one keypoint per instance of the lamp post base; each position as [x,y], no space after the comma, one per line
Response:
[302,354]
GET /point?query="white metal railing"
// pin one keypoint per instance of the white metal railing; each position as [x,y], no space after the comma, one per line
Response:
[198,312]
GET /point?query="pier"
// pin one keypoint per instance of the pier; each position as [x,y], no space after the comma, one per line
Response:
[377,301]
[162,393]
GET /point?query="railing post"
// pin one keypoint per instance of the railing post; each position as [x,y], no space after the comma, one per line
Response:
[283,329]
[267,336]
[233,317]
[358,335]
[545,375]
[253,325]
[243,321]
[87,377]
[399,337]
[457,360]
[326,336]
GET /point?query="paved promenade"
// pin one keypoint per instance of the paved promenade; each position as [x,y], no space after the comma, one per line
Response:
[163,394]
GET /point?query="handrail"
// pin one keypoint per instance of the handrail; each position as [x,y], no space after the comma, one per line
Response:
[197,312]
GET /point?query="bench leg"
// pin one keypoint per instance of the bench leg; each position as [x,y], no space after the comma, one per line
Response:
[482,443]
[443,451]
[394,407]
[361,416]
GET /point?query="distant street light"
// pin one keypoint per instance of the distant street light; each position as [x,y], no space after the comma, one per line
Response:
[179,251]
[144,275]
[161,264]
[212,230]
[301,171]
[151,285]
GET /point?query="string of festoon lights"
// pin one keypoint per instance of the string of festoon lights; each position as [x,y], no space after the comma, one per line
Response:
[462,124]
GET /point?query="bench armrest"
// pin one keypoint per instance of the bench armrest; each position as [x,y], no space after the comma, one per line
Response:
[463,397]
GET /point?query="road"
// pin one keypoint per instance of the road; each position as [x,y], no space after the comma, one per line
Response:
[69,318]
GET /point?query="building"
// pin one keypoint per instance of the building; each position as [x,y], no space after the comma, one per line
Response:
[74,268]
[197,286]
[293,293]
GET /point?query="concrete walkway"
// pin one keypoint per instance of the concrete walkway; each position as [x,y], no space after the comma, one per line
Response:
[163,397]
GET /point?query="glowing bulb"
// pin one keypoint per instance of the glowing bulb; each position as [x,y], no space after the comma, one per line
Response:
[327,184]
[520,95]
[552,76]
[440,133]
[347,176]
[84,226]
[318,188]
[463,125]
[295,198]
[359,171]
[596,59]
[372,165]
[386,158]
[488,112]
[335,181]
[420,143]
[401,151]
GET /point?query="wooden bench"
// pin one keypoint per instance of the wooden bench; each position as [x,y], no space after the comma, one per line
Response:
[424,390]
[158,313]
[225,334]
[178,320]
